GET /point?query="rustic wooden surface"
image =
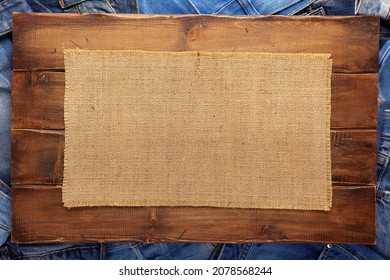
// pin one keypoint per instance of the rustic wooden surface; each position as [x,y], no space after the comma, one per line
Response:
[38,135]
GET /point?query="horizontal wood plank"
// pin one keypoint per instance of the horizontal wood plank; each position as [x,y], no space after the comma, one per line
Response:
[38,100]
[37,156]
[38,216]
[39,39]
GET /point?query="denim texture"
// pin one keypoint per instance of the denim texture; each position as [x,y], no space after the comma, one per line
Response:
[373,7]
[383,169]
[249,7]
[226,7]
[159,251]
[84,6]
[296,251]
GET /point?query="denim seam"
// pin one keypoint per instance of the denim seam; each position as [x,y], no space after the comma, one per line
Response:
[57,251]
[138,253]
[193,6]
[282,8]
[7,229]
[354,256]
[245,7]
[385,165]
[102,251]
[110,6]
[320,12]
[228,5]
[253,7]
[301,7]
[219,255]
[324,254]
[42,6]
[5,195]
[245,251]
[5,186]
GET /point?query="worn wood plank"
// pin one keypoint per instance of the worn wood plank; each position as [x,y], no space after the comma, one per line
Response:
[38,216]
[38,100]
[37,156]
[39,39]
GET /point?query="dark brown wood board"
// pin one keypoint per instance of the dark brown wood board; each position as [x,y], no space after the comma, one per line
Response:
[38,127]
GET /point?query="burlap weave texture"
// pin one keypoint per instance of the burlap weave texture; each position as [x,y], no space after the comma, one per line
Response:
[245,130]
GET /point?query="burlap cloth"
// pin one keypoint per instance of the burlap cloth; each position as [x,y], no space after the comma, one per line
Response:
[245,130]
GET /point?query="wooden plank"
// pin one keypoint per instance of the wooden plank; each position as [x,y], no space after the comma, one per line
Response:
[37,157]
[354,101]
[38,216]
[39,39]
[38,100]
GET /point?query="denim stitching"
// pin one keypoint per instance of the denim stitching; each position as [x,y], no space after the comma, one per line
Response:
[193,6]
[244,6]
[5,186]
[283,7]
[224,8]
[324,254]
[356,257]
[245,251]
[220,253]
[42,6]
[56,252]
[138,253]
[5,195]
[384,168]
[5,228]
[110,6]
[301,8]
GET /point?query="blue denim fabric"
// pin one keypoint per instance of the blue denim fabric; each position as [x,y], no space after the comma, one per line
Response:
[5,212]
[84,6]
[383,158]
[373,7]
[249,7]
[99,6]
[298,251]
[12,251]
[225,7]
[159,251]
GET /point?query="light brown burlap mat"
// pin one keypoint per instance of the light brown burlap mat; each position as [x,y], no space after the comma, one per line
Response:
[246,130]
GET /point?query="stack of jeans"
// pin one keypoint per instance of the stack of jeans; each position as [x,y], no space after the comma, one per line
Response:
[136,250]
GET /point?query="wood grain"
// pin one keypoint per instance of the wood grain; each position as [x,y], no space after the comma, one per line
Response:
[43,219]
[39,39]
[37,157]
[38,136]
[38,100]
